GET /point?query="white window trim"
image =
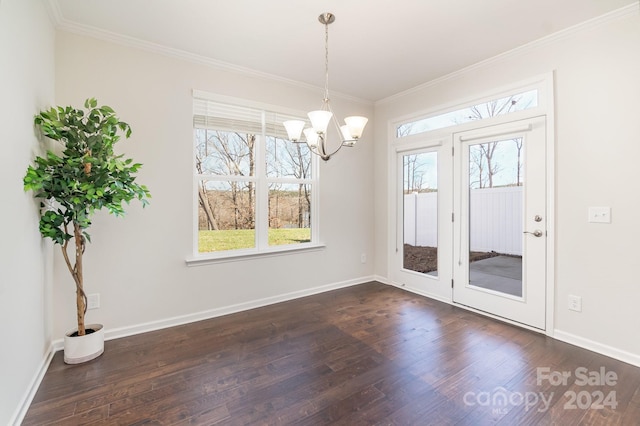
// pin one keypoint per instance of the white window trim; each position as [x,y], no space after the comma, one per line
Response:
[262,248]
[543,83]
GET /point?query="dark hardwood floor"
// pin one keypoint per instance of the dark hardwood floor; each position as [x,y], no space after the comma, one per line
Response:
[369,354]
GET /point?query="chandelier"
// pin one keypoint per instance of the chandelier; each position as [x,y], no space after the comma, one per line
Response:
[316,135]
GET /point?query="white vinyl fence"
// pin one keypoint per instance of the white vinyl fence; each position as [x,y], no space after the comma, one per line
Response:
[495,220]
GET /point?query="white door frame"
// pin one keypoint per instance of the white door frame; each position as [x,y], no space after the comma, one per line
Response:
[544,83]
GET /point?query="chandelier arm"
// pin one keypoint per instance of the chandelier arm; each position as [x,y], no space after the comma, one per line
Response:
[338,129]
[321,149]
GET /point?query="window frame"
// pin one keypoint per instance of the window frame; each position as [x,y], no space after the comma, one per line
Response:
[262,181]
[543,84]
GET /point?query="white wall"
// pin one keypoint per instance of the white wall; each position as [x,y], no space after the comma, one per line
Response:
[597,149]
[137,263]
[26,86]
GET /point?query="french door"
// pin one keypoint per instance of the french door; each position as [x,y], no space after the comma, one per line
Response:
[500,216]
[423,241]
[471,220]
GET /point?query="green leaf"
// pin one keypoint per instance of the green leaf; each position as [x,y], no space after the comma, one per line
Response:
[87,137]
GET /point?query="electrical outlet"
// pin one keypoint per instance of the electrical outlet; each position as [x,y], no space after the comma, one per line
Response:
[575,303]
[93,301]
[363,258]
[600,214]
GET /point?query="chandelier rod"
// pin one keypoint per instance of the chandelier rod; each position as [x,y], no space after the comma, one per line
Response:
[326,19]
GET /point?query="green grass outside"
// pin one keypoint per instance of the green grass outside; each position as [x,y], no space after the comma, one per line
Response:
[234,239]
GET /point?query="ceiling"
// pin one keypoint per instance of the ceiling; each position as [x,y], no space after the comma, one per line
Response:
[377,48]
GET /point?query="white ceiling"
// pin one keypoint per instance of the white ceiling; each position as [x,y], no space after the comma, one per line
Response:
[377,48]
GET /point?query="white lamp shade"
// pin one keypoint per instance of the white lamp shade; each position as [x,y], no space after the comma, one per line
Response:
[356,124]
[294,129]
[346,134]
[312,137]
[320,120]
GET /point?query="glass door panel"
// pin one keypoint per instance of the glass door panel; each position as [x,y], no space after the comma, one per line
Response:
[420,212]
[500,220]
[496,188]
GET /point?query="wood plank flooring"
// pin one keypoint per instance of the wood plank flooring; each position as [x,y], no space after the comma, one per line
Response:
[368,354]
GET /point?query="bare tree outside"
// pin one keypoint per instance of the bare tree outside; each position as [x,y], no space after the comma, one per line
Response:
[476,160]
[205,202]
[254,188]
[487,150]
[231,154]
[518,143]
[288,160]
[414,179]
[491,164]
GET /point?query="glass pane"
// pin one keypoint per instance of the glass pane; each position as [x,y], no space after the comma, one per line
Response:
[289,213]
[226,215]
[420,192]
[506,105]
[496,190]
[224,153]
[288,159]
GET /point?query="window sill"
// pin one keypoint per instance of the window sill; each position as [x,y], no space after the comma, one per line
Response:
[240,255]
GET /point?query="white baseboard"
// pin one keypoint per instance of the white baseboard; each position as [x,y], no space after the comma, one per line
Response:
[57,345]
[25,401]
[381,279]
[610,351]
[117,333]
[591,345]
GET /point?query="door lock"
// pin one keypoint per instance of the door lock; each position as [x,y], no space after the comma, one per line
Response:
[538,218]
[536,233]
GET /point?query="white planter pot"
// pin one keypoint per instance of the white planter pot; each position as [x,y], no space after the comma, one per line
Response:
[79,349]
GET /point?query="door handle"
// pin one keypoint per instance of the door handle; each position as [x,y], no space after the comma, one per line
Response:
[536,233]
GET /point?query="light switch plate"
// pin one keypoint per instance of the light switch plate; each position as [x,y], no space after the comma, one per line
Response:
[600,214]
[575,303]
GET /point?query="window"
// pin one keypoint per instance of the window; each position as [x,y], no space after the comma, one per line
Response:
[255,190]
[501,106]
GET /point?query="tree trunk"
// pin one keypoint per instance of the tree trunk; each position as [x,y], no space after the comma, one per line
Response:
[251,140]
[81,305]
[519,147]
[300,206]
[204,202]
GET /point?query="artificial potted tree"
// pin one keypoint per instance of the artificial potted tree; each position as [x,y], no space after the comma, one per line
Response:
[86,177]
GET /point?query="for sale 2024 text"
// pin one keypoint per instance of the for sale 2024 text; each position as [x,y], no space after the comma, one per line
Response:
[584,399]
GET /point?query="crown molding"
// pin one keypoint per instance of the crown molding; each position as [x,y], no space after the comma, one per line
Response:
[63,24]
[630,10]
